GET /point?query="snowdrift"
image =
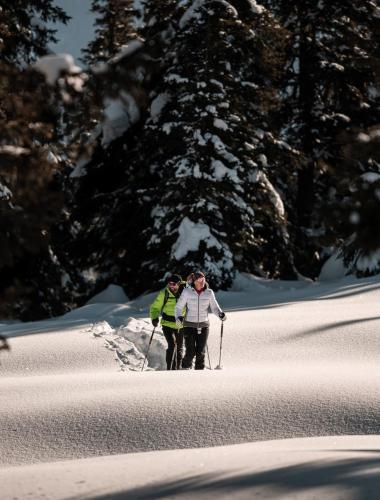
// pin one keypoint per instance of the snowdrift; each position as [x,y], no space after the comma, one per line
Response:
[295,412]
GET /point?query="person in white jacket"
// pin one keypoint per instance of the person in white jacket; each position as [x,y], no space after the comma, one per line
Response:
[197,299]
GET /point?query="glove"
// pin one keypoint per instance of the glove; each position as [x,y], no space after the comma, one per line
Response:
[222,316]
[179,321]
[155,322]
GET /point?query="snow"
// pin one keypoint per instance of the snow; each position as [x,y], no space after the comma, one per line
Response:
[328,64]
[158,105]
[220,171]
[373,135]
[221,124]
[11,150]
[230,8]
[173,77]
[5,192]
[368,263]
[192,13]
[120,114]
[263,160]
[113,293]
[127,50]
[333,269]
[273,194]
[256,8]
[53,66]
[336,116]
[221,148]
[293,414]
[190,236]
[80,168]
[370,177]
[217,83]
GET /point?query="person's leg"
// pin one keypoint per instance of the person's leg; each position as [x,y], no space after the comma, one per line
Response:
[170,339]
[189,336]
[179,340]
[200,348]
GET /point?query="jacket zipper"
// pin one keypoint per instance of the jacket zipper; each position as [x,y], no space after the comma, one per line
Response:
[199,332]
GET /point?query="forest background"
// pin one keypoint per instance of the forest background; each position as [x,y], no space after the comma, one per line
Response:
[229,136]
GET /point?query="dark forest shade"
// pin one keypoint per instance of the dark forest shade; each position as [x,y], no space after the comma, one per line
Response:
[223,135]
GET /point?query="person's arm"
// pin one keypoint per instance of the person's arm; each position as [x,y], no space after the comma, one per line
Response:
[215,307]
[155,308]
[181,304]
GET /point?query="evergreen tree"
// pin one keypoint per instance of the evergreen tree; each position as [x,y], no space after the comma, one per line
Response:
[23,29]
[214,205]
[326,94]
[30,199]
[106,187]
[196,181]
[357,211]
[114,29]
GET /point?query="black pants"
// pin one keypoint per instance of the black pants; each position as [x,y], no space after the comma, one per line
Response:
[174,338]
[195,346]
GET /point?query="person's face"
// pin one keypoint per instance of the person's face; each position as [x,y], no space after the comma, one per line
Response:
[200,281]
[173,286]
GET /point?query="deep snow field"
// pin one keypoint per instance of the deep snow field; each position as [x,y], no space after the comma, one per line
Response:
[295,412]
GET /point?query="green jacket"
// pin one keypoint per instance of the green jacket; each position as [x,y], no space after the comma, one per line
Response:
[167,312]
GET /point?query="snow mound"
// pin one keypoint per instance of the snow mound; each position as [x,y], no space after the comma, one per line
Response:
[333,269]
[112,294]
[130,344]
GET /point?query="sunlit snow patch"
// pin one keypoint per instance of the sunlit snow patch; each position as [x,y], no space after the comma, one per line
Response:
[130,344]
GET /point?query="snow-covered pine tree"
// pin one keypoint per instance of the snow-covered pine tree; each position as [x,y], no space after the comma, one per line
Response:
[113,29]
[214,206]
[30,199]
[357,222]
[24,32]
[355,214]
[109,204]
[326,93]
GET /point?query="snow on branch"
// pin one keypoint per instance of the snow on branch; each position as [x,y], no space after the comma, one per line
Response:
[54,66]
[190,236]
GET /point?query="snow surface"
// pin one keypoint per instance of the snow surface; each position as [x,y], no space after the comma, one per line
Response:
[113,293]
[295,413]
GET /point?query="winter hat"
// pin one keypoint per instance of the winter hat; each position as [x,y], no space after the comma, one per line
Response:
[174,278]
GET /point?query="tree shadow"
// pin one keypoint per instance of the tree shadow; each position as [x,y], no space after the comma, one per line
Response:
[329,326]
[358,477]
[290,297]
[44,326]
[356,289]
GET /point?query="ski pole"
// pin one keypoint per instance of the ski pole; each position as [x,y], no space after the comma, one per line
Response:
[208,355]
[147,352]
[174,355]
[219,367]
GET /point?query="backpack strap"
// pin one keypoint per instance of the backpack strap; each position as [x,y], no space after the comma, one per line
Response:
[166,298]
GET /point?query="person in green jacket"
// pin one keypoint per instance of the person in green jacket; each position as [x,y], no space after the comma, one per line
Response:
[164,306]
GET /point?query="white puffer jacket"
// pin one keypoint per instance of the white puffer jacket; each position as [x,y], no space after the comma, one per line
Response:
[197,305]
